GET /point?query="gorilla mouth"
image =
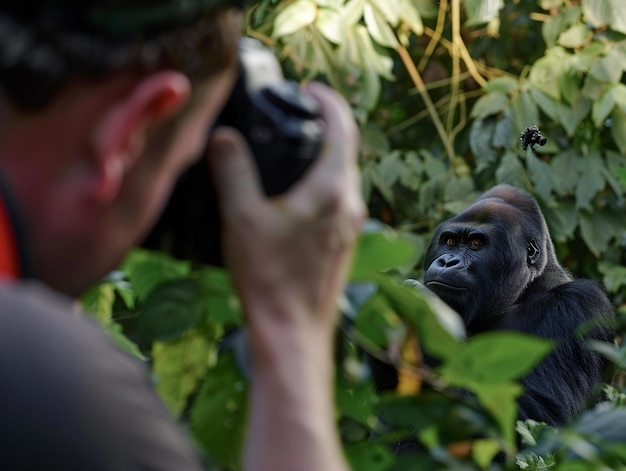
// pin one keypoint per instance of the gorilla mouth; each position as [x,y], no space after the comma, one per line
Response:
[434,285]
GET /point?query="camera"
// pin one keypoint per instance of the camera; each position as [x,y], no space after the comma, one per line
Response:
[283,129]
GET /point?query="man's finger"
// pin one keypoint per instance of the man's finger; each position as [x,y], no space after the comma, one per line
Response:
[234,173]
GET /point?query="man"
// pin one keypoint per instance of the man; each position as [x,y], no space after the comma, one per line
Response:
[102,105]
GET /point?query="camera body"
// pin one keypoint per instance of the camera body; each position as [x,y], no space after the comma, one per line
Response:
[282,127]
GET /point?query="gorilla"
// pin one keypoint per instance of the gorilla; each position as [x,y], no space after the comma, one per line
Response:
[494,264]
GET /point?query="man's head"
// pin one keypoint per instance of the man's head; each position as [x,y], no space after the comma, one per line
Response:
[102,104]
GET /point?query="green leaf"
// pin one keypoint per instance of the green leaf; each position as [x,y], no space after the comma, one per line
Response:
[352,12]
[178,368]
[525,111]
[410,16]
[481,138]
[218,416]
[389,9]
[490,104]
[495,357]
[376,321]
[369,457]
[500,400]
[593,182]
[382,251]
[550,4]
[568,166]
[618,16]
[379,28]
[294,17]
[616,355]
[571,117]
[482,11]
[221,302]
[576,36]
[618,91]
[171,309]
[545,76]
[547,104]
[598,12]
[485,451]
[606,69]
[602,108]
[98,302]
[618,129]
[511,170]
[541,175]
[439,328]
[506,85]
[146,269]
[116,334]
[570,83]
[330,24]
[598,228]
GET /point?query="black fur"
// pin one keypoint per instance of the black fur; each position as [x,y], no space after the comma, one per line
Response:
[494,263]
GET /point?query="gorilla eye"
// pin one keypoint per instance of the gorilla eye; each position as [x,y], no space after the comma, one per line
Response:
[476,243]
[451,242]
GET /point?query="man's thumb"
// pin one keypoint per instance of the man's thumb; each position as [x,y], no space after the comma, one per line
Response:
[234,172]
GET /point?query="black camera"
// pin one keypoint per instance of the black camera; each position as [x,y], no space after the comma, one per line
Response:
[284,132]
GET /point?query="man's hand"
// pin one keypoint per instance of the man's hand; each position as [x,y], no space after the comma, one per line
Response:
[291,253]
[288,257]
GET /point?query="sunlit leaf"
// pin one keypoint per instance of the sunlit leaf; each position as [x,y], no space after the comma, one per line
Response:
[500,400]
[379,28]
[330,24]
[576,36]
[482,11]
[409,15]
[178,368]
[294,17]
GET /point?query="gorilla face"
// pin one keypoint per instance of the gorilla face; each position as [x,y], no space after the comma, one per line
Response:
[481,261]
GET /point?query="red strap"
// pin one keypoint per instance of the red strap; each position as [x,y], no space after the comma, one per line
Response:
[9,257]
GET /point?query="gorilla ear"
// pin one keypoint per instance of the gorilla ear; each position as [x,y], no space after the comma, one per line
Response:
[533,253]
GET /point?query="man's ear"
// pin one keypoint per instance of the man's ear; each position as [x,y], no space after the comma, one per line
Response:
[120,134]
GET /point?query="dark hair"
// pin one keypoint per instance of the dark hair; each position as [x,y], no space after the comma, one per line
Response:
[44,44]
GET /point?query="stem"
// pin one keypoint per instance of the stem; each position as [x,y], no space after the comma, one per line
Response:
[421,88]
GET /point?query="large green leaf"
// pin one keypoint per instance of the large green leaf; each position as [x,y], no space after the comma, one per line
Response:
[500,400]
[171,309]
[495,357]
[146,269]
[218,416]
[440,329]
[380,251]
[178,367]
[369,457]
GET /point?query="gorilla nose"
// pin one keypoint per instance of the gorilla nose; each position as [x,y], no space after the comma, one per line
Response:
[448,261]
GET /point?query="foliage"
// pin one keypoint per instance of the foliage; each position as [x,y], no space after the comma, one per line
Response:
[441,91]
